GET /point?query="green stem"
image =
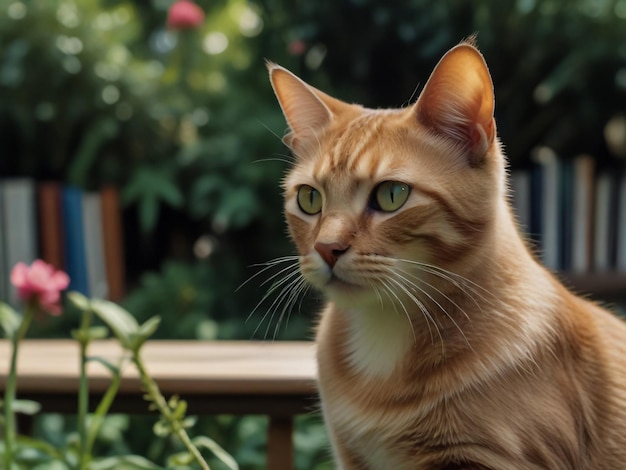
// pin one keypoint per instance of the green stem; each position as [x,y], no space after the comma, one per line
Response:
[103,409]
[83,391]
[11,387]
[158,399]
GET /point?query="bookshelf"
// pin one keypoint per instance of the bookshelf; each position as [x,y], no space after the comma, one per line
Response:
[75,230]
[606,286]
[574,212]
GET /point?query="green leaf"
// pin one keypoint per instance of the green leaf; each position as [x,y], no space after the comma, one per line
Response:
[78,300]
[161,428]
[148,187]
[112,368]
[148,328]
[216,449]
[122,323]
[38,445]
[26,407]
[126,462]
[9,320]
[92,333]
[181,458]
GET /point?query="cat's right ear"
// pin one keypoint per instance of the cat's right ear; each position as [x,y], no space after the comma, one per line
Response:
[307,110]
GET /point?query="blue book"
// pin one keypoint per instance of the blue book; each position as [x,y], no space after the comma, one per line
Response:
[74,243]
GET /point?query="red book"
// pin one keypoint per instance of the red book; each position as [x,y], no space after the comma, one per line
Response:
[113,242]
[50,223]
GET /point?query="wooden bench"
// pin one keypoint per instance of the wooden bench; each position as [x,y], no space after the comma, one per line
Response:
[276,379]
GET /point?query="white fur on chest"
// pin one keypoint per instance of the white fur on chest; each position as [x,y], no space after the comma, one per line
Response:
[378,342]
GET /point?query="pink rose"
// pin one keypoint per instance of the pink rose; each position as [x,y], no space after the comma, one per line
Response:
[297,47]
[41,282]
[184,14]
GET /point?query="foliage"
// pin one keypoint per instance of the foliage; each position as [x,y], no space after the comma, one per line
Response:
[39,287]
[99,91]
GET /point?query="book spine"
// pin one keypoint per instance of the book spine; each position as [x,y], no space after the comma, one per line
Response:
[20,226]
[620,263]
[547,204]
[75,259]
[4,267]
[113,242]
[601,249]
[51,224]
[582,220]
[94,247]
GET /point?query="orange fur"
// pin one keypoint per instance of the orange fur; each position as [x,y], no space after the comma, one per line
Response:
[444,344]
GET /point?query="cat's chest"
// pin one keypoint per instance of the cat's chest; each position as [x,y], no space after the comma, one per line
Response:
[378,342]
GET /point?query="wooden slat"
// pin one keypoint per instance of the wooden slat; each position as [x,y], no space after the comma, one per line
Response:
[279,444]
[194,367]
[230,377]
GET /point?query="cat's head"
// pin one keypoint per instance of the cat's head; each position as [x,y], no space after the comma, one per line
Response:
[380,201]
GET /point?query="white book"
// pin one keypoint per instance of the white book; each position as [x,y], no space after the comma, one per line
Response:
[549,167]
[621,225]
[582,220]
[20,226]
[4,268]
[520,198]
[601,238]
[94,245]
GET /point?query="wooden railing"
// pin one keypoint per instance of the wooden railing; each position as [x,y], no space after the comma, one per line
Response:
[276,379]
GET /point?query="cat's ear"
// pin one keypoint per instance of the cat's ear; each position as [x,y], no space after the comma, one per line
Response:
[306,109]
[458,101]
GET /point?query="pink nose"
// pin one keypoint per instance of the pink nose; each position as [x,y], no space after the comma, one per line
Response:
[330,252]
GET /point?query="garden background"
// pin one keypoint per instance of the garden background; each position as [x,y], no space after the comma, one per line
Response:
[185,124]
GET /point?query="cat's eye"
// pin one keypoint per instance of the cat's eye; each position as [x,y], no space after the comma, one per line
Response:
[390,196]
[309,200]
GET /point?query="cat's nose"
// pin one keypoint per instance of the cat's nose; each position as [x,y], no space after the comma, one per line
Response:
[330,252]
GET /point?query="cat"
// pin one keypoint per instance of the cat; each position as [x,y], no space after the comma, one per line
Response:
[444,344]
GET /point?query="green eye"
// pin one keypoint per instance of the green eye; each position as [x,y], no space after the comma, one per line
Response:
[309,200]
[390,196]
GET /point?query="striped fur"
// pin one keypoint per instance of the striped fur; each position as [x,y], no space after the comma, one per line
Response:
[444,344]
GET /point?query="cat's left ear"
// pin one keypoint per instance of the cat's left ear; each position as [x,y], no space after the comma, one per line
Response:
[458,101]
[307,110]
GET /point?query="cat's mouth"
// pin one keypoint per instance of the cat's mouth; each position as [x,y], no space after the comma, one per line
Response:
[337,283]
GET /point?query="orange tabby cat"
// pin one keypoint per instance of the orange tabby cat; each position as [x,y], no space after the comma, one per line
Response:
[444,343]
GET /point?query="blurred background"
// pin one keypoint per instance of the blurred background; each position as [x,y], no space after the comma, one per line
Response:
[183,122]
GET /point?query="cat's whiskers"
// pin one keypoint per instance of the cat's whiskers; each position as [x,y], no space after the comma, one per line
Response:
[414,291]
[427,314]
[437,290]
[269,265]
[290,295]
[470,288]
[288,285]
[429,318]
[289,282]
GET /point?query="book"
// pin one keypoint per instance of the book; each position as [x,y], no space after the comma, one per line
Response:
[113,242]
[566,214]
[19,235]
[94,246]
[74,246]
[546,205]
[4,268]
[582,211]
[50,224]
[602,222]
[520,198]
[620,263]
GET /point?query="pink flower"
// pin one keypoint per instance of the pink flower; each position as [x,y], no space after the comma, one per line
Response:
[184,14]
[40,282]
[297,47]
